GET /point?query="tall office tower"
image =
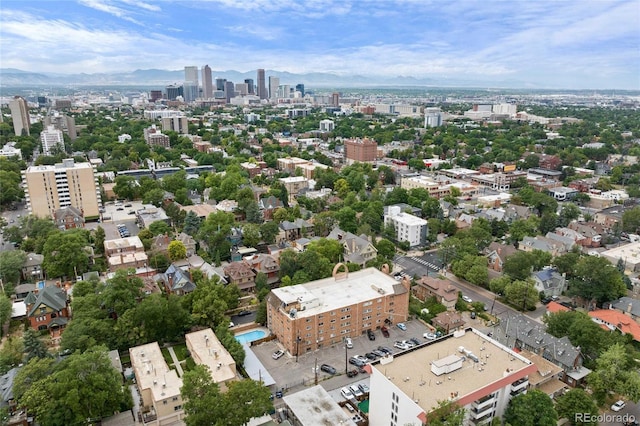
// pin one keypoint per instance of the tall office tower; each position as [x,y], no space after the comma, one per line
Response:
[191,74]
[284,92]
[49,188]
[220,83]
[42,101]
[300,88]
[335,99]
[250,86]
[50,138]
[242,89]
[62,122]
[262,89]
[20,116]
[190,91]
[155,95]
[207,83]
[173,92]
[229,90]
[274,83]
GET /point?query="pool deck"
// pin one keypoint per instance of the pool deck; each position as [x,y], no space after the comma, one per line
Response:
[249,330]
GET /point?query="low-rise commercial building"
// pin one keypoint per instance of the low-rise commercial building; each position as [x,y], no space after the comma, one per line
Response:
[206,349]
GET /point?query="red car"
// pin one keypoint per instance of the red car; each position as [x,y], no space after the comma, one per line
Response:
[385,331]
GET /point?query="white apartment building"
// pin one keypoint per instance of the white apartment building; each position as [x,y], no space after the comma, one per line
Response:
[327,125]
[408,227]
[51,137]
[10,150]
[466,368]
[505,109]
[155,114]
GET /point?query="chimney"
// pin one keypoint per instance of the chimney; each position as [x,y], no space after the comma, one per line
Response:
[629,307]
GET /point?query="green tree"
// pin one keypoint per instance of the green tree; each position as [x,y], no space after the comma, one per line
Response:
[631,220]
[250,234]
[34,347]
[11,353]
[11,262]
[577,401]
[191,224]
[121,292]
[447,413]
[176,250]
[534,408]
[332,250]
[98,240]
[521,294]
[5,310]
[386,248]
[155,197]
[159,227]
[615,372]
[34,371]
[269,231]
[64,254]
[60,398]
[596,279]
[253,213]
[126,187]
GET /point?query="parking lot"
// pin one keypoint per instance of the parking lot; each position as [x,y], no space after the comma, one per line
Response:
[121,214]
[289,373]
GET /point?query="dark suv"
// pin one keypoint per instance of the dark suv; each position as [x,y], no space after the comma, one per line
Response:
[371,335]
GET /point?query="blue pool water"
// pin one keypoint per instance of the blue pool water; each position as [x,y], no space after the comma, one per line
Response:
[250,336]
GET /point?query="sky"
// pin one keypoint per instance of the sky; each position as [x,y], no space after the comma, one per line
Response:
[582,44]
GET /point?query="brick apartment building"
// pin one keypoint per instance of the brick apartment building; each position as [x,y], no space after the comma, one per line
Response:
[360,150]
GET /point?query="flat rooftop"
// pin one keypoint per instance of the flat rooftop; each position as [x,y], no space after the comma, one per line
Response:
[124,243]
[411,371]
[408,219]
[629,252]
[315,407]
[152,372]
[330,293]
[206,349]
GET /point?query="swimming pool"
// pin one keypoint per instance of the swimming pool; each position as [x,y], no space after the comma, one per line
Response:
[250,336]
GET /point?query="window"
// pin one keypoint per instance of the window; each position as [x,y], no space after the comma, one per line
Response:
[164,402]
[175,398]
[177,408]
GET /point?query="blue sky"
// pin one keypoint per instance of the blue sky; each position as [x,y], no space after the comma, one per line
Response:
[555,44]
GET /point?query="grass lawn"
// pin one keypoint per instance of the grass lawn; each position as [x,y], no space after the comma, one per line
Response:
[181,351]
[167,356]
[189,364]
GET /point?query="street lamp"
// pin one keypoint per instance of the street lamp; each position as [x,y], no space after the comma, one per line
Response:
[346,355]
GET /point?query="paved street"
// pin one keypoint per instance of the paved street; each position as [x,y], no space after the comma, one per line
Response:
[427,264]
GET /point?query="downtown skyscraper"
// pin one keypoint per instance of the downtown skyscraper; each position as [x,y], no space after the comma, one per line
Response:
[263,93]
[191,86]
[207,82]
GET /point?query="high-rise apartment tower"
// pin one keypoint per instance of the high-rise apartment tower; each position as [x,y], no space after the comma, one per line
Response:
[20,116]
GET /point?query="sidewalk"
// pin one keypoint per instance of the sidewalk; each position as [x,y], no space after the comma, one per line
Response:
[175,361]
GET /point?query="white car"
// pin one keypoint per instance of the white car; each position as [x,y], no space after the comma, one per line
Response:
[429,336]
[348,342]
[277,354]
[401,326]
[467,299]
[401,345]
[346,393]
[619,405]
[356,391]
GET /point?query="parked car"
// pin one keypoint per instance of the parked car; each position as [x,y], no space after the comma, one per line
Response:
[362,358]
[328,369]
[244,313]
[346,393]
[414,341]
[401,345]
[401,326]
[618,405]
[546,300]
[364,388]
[128,205]
[371,356]
[429,336]
[473,315]
[355,391]
[371,335]
[356,361]
[378,353]
[467,299]
[277,354]
[408,343]
[385,331]
[385,349]
[352,373]
[348,342]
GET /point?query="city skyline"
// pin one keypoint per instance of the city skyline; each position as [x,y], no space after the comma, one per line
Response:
[571,45]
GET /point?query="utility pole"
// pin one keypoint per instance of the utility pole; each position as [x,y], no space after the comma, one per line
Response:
[315,371]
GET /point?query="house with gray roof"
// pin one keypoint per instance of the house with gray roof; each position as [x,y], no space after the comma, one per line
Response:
[519,332]
[357,249]
[549,281]
[541,243]
[48,309]
[567,241]
[176,280]
[6,389]
[628,306]
[32,267]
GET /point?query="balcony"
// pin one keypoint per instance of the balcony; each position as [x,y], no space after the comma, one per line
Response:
[482,415]
[483,404]
[518,385]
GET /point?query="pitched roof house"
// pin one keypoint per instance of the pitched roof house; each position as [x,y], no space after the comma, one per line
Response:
[443,290]
[48,309]
[32,267]
[266,264]
[497,254]
[68,217]
[549,281]
[176,281]
[240,274]
[357,249]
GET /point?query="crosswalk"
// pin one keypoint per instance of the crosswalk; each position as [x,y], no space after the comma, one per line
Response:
[424,263]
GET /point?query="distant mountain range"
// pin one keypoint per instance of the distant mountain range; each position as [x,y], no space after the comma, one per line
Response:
[161,78]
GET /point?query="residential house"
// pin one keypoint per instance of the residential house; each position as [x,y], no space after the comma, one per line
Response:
[448,321]
[6,390]
[547,377]
[32,267]
[567,241]
[357,249]
[538,242]
[160,244]
[497,254]
[68,218]
[443,290]
[48,309]
[615,320]
[266,264]
[549,162]
[627,305]
[149,214]
[176,280]
[269,205]
[591,235]
[549,281]
[189,243]
[291,231]
[514,212]
[519,332]
[555,307]
[125,253]
[240,274]
[22,290]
